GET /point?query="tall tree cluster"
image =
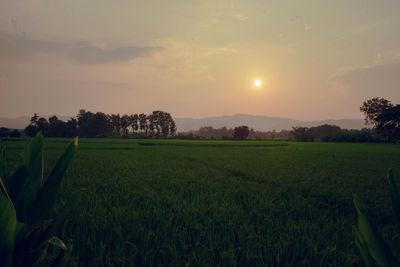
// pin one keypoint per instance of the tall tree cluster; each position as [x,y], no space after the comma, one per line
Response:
[99,124]
[53,127]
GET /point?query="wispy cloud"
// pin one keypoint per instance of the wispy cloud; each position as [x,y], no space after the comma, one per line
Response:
[89,54]
[21,48]
[379,78]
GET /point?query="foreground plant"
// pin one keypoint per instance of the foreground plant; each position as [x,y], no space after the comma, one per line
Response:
[26,203]
[374,250]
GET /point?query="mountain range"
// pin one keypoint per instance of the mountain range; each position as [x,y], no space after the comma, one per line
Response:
[260,123]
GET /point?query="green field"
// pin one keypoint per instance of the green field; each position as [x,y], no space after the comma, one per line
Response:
[211,203]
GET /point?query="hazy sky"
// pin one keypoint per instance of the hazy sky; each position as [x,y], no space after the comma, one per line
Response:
[317,59]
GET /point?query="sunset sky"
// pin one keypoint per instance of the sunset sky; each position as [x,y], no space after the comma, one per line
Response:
[315,59]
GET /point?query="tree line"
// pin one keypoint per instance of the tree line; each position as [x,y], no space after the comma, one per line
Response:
[333,133]
[6,132]
[88,124]
[237,133]
[379,112]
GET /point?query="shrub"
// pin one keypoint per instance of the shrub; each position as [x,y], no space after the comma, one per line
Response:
[26,204]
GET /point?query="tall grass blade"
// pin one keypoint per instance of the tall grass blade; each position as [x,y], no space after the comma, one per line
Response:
[376,245]
[55,241]
[3,189]
[16,181]
[364,251]
[44,202]
[8,222]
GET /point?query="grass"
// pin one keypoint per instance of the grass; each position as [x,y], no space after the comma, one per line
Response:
[209,203]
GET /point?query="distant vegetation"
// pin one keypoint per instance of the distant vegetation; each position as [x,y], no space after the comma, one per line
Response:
[224,133]
[333,133]
[6,132]
[241,132]
[379,112]
[89,124]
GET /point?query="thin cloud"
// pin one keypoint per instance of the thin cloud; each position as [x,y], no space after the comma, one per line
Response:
[89,54]
[19,48]
[380,78]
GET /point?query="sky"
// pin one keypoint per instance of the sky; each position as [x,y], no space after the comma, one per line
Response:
[315,59]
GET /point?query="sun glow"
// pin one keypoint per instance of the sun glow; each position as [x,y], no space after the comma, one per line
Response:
[257,83]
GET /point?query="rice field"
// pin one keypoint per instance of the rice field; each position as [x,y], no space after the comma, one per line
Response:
[213,203]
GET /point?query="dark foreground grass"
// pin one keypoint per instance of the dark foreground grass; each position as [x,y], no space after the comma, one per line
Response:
[180,203]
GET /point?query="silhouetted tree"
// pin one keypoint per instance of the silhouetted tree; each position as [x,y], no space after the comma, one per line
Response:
[241,132]
[133,122]
[4,132]
[373,108]
[31,130]
[125,124]
[94,125]
[172,127]
[326,129]
[42,125]
[99,124]
[152,124]
[384,116]
[161,124]
[143,125]
[363,135]
[302,134]
[116,123]
[15,133]
[59,128]
[34,119]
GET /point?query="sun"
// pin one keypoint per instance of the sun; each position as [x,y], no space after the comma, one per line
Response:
[257,83]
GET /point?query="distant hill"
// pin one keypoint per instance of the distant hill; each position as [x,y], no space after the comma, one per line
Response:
[260,123]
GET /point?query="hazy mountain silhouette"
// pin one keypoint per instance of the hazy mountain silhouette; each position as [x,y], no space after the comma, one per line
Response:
[261,123]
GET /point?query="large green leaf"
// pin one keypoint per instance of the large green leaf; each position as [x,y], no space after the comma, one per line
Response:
[375,243]
[19,245]
[33,159]
[44,202]
[16,181]
[3,189]
[8,222]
